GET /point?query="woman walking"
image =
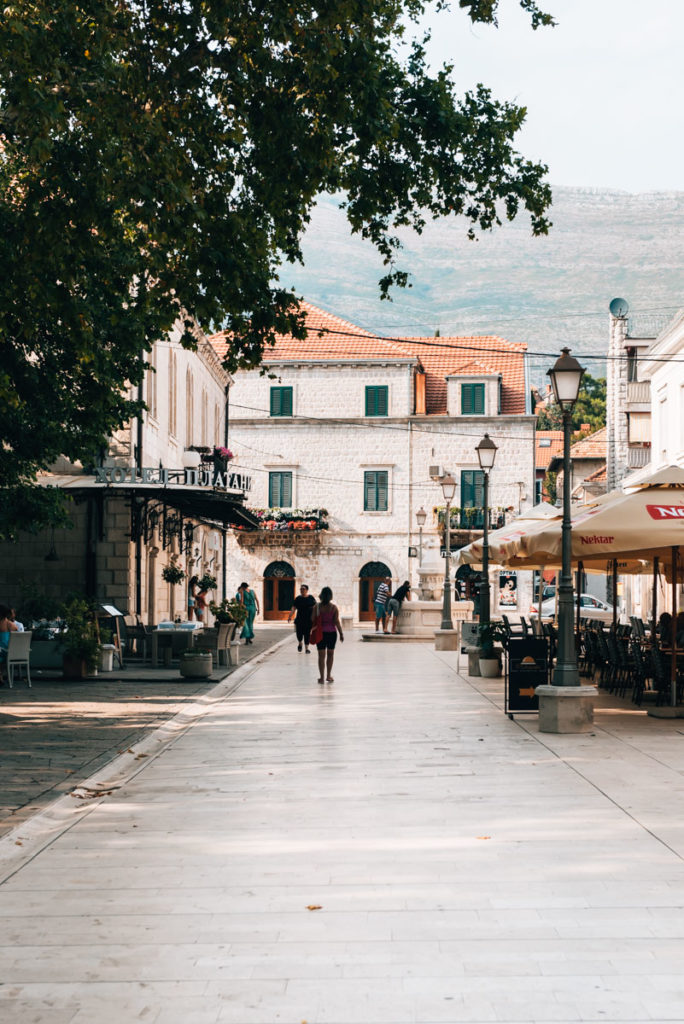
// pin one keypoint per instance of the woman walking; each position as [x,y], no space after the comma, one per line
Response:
[248,598]
[330,623]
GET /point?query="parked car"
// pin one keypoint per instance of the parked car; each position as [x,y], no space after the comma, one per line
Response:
[590,608]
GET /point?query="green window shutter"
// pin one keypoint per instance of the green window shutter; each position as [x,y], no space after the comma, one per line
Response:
[467,489]
[369,489]
[472,399]
[383,489]
[376,491]
[286,490]
[280,490]
[377,400]
[281,401]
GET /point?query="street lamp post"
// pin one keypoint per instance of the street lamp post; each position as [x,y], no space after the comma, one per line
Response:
[448,490]
[566,378]
[421,516]
[486,454]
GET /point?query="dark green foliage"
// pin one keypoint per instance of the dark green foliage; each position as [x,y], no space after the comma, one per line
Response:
[590,407]
[160,161]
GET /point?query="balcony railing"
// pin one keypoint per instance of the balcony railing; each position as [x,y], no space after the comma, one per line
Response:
[471,518]
[638,457]
[639,392]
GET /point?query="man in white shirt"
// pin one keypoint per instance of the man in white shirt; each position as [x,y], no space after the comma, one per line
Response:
[13,618]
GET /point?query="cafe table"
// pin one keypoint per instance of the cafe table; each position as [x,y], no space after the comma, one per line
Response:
[172,638]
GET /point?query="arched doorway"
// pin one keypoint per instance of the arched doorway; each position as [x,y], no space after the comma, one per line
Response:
[370,576]
[279,590]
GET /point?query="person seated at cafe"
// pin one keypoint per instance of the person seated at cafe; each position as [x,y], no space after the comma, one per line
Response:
[13,618]
[679,629]
[665,629]
[6,627]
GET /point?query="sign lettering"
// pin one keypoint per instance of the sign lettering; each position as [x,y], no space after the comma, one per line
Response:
[159,476]
[665,511]
[595,539]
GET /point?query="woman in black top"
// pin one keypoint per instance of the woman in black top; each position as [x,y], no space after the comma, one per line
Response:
[302,608]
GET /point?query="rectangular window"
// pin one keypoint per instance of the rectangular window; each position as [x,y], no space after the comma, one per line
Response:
[472,497]
[281,401]
[472,399]
[376,400]
[280,490]
[375,490]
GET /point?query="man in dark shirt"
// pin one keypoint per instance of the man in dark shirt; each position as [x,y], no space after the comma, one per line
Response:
[302,609]
[401,594]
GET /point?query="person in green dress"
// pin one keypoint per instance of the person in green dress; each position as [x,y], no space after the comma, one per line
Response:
[247,597]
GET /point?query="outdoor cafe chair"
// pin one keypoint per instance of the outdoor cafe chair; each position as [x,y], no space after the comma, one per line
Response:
[18,654]
[220,641]
[642,683]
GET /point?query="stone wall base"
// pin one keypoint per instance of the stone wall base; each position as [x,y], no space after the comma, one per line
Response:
[447,639]
[566,709]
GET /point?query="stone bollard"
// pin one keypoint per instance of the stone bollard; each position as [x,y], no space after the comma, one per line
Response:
[473,660]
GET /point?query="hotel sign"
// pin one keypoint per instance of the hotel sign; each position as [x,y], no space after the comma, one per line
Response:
[205,476]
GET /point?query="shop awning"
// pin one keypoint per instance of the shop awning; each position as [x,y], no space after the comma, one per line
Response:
[216,507]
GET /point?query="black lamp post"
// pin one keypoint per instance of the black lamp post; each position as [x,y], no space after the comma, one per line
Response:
[448,490]
[566,378]
[421,516]
[486,454]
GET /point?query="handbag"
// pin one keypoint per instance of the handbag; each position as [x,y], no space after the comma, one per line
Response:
[316,633]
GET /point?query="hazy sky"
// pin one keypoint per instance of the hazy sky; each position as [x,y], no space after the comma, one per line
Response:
[603,89]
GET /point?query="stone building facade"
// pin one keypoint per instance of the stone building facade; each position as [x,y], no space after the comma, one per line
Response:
[139,509]
[628,402]
[359,426]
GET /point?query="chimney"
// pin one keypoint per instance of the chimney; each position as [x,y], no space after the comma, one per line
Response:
[420,392]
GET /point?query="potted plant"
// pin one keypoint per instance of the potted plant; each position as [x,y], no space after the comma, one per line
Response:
[80,637]
[229,611]
[490,656]
[173,573]
[206,582]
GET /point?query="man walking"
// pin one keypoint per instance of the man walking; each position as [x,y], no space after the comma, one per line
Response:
[380,602]
[302,609]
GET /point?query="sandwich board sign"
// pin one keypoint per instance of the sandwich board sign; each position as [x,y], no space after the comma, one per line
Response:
[528,668]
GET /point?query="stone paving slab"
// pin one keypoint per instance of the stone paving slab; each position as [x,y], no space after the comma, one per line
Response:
[58,732]
[389,849]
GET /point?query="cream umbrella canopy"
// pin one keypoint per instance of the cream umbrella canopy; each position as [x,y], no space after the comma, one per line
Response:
[644,521]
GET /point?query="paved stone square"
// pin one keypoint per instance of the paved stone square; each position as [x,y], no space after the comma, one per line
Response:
[387,849]
[58,732]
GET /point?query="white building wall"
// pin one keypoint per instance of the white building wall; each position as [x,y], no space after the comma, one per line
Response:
[324,389]
[328,454]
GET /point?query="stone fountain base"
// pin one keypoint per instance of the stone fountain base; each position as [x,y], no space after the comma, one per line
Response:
[419,621]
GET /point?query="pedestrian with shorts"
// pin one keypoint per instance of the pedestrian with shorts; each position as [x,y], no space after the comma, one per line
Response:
[302,609]
[380,603]
[329,616]
[403,593]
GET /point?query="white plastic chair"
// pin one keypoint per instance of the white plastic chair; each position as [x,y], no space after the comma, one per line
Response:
[18,652]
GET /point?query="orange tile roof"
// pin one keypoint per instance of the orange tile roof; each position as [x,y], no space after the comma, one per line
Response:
[544,454]
[331,337]
[599,475]
[593,446]
[473,355]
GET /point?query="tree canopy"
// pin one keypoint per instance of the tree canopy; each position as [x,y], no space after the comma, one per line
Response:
[161,159]
[590,408]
